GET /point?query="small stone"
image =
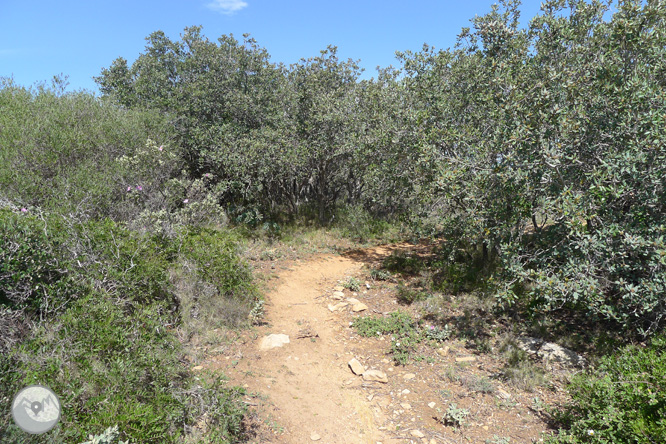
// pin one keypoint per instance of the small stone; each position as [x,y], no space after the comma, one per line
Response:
[431,405]
[332,307]
[485,428]
[315,437]
[443,351]
[273,341]
[375,375]
[356,367]
[406,392]
[466,359]
[503,393]
[353,301]
[385,361]
[405,405]
[339,288]
[409,376]
[359,307]
[417,433]
[370,397]
[197,368]
[367,285]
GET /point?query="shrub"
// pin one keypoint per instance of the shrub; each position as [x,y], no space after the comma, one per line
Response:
[380,275]
[398,323]
[352,284]
[406,295]
[33,270]
[622,400]
[67,162]
[215,253]
[112,365]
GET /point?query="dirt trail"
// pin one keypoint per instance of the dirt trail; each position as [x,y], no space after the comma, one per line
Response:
[308,381]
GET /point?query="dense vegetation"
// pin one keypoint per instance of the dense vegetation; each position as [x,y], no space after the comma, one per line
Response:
[106,251]
[538,154]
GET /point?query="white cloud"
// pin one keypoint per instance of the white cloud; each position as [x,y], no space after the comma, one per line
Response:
[226,6]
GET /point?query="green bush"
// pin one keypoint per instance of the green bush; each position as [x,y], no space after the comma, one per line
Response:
[121,365]
[404,331]
[406,295]
[622,401]
[397,322]
[103,342]
[33,269]
[65,159]
[215,253]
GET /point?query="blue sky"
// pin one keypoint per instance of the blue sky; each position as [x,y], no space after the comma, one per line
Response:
[40,39]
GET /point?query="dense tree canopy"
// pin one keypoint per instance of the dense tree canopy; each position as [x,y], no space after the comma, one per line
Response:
[540,149]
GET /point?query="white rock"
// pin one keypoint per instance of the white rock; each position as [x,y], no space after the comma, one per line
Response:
[353,301]
[359,307]
[409,376]
[375,375]
[553,352]
[273,341]
[356,367]
[417,433]
[315,437]
[405,405]
[431,405]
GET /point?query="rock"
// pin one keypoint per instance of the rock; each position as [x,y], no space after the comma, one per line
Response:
[337,306]
[315,437]
[370,396]
[353,301]
[273,341]
[528,344]
[405,392]
[197,368]
[503,394]
[375,375]
[359,307]
[339,288]
[431,405]
[417,433]
[409,376]
[443,351]
[466,359]
[356,367]
[367,285]
[550,351]
[406,405]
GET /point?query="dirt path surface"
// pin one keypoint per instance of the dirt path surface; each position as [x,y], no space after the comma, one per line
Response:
[305,391]
[314,394]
